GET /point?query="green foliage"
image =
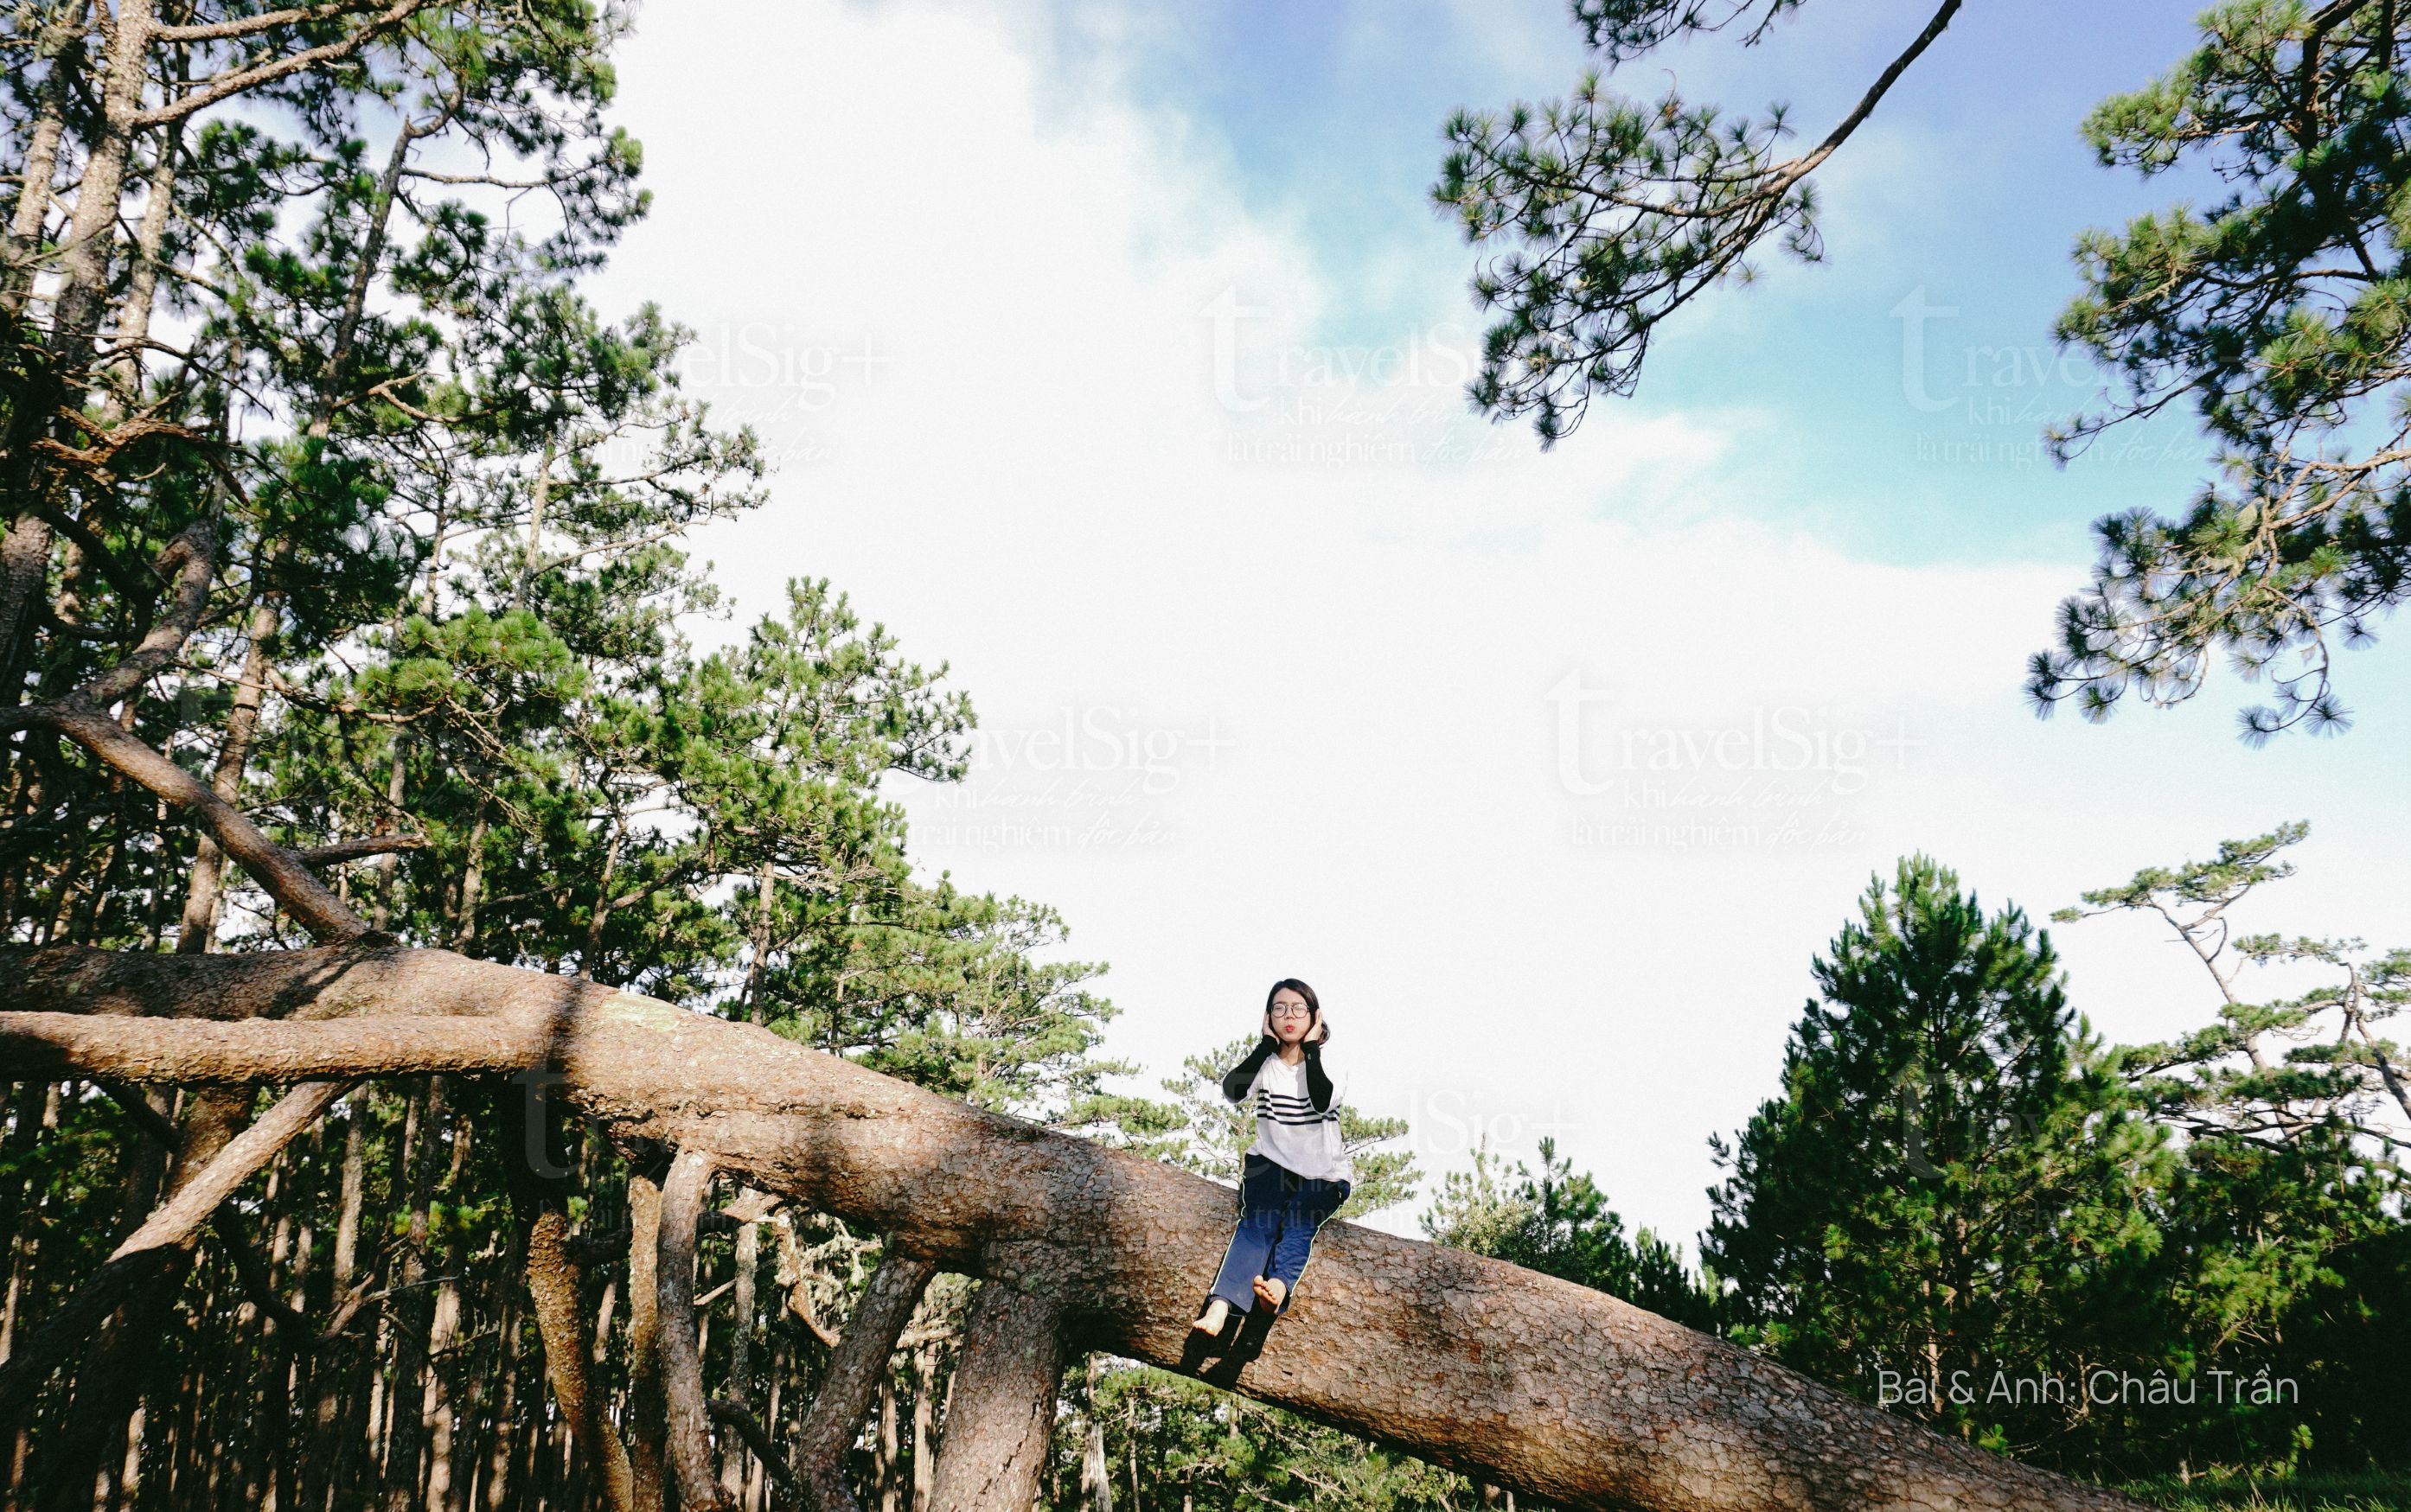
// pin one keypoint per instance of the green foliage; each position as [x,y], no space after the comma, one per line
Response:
[448,501]
[2268,1073]
[1560,1225]
[1950,1186]
[1615,212]
[2285,1241]
[2232,1490]
[2278,313]
[1960,1191]
[1622,29]
[1203,1449]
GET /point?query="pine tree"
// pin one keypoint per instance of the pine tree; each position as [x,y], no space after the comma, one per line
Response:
[2285,1246]
[1949,1187]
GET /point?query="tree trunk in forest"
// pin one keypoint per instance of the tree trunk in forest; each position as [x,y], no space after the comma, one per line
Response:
[740,1341]
[1564,1393]
[157,1255]
[133,334]
[411,1310]
[925,1424]
[495,1488]
[24,562]
[1096,1475]
[890,1445]
[27,1120]
[326,1416]
[109,1379]
[555,1284]
[645,1409]
[58,45]
[853,1373]
[1002,1417]
[202,892]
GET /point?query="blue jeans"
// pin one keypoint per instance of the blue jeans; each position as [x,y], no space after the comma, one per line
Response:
[1278,1213]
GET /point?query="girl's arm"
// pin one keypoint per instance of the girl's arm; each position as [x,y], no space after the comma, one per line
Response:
[1240,1077]
[1318,1081]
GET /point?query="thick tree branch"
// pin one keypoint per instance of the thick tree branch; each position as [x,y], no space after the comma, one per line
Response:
[131,1101]
[181,1216]
[647,1416]
[750,1428]
[851,1380]
[244,26]
[41,1351]
[536,1172]
[690,1421]
[214,89]
[293,1329]
[53,1046]
[271,864]
[189,565]
[1000,1413]
[553,1281]
[83,717]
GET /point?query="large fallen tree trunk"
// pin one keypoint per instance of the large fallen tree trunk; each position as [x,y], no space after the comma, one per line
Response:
[1527,1381]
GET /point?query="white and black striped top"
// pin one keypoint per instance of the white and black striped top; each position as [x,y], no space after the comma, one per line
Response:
[1297,1111]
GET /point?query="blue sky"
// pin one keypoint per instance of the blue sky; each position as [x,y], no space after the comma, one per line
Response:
[1970,183]
[1112,353]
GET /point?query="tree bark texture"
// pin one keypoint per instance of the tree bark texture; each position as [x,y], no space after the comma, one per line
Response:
[690,1422]
[853,1377]
[1002,1412]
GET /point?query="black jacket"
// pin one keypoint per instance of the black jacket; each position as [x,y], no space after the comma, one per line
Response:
[1318,1083]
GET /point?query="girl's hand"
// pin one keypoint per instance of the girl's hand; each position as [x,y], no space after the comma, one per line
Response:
[1321,1029]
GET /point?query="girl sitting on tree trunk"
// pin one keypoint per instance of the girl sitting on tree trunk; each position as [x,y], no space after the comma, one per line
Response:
[1297,1173]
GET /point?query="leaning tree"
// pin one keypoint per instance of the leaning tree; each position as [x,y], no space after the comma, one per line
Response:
[1538,1384]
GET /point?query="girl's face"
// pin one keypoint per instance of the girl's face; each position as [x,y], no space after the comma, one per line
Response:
[1289,1018]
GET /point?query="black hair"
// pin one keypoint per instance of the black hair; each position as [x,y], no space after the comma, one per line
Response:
[1313,1004]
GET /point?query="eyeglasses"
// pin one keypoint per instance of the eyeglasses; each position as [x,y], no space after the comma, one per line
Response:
[1290,1011]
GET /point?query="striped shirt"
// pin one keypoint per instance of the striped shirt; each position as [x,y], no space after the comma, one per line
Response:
[1291,1130]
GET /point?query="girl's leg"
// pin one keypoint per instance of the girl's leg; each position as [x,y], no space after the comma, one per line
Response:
[1252,1245]
[1307,1208]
